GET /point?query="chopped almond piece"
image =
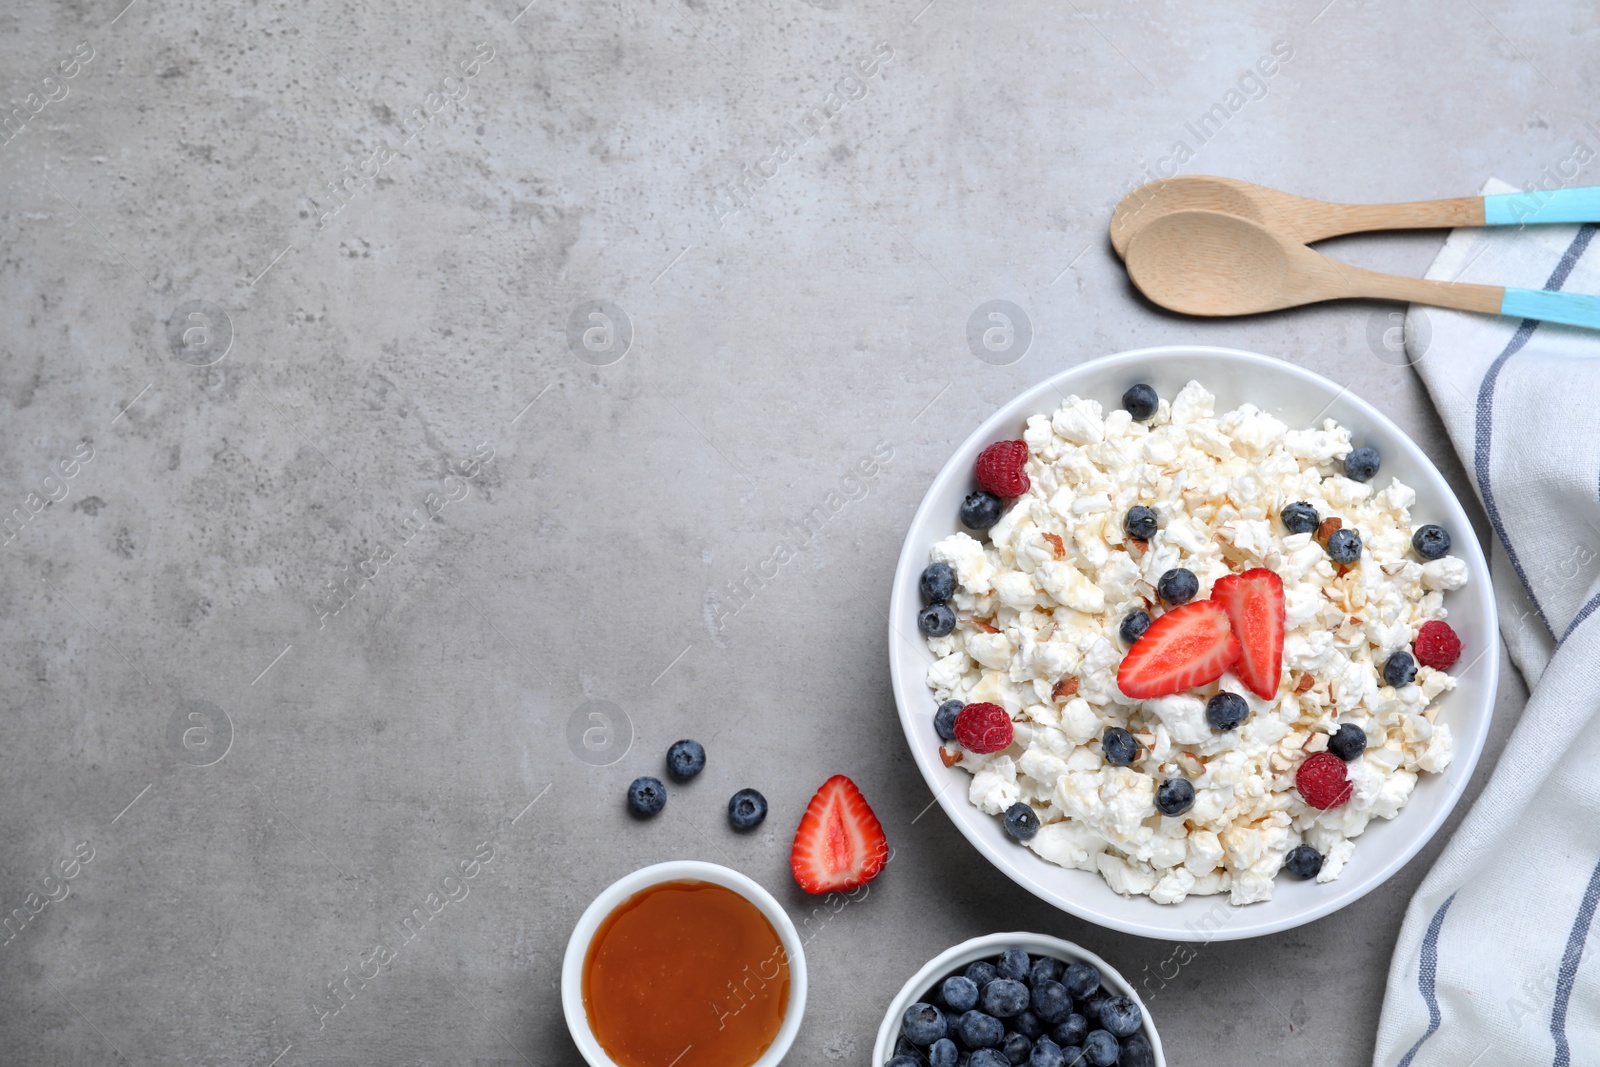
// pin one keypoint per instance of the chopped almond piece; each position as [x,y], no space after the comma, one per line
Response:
[1326,530]
[1056,545]
[1305,682]
[1067,687]
[948,758]
[985,627]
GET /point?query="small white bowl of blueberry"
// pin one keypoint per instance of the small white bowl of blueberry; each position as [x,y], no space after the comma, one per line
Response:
[1017,1000]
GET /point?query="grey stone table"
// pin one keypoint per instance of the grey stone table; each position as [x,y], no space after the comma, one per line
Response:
[388,387]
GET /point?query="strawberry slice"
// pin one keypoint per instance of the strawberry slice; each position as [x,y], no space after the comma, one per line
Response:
[1254,603]
[840,843]
[1185,647]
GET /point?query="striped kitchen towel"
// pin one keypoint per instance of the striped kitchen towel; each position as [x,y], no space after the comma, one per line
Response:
[1495,963]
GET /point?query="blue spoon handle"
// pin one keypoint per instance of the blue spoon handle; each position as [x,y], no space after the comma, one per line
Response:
[1573,309]
[1541,206]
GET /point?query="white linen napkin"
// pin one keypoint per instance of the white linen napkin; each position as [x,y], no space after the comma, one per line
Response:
[1494,964]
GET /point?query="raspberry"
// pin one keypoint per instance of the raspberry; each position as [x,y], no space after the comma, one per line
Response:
[1437,645]
[1323,781]
[984,728]
[1000,468]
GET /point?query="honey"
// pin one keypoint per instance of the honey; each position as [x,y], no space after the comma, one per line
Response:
[685,974]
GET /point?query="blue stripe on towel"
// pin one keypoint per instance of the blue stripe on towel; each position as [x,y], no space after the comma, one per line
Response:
[1569,968]
[1583,613]
[1485,416]
[1427,975]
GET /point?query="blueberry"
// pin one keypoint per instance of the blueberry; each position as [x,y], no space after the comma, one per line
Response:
[1344,546]
[1081,980]
[988,1057]
[1399,668]
[1139,523]
[1226,711]
[1141,401]
[1046,1053]
[1361,464]
[1119,746]
[685,759]
[647,795]
[944,720]
[938,582]
[1100,1048]
[923,1024]
[1431,541]
[1136,1052]
[936,620]
[982,973]
[1005,997]
[943,1053]
[1178,586]
[904,1047]
[904,1061]
[1134,624]
[1304,862]
[1300,517]
[1044,969]
[1028,1025]
[1020,821]
[1090,1006]
[980,510]
[1072,1056]
[959,993]
[977,1030]
[1348,742]
[1051,1001]
[1016,1048]
[1175,796]
[747,809]
[1070,1031]
[1014,964]
[1121,1016]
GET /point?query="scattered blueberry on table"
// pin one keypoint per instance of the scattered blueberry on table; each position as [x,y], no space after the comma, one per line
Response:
[1023,1010]
[646,795]
[1141,402]
[1430,541]
[747,809]
[685,759]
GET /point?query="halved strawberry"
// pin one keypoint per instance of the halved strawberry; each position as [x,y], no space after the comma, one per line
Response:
[1254,603]
[1183,648]
[840,843]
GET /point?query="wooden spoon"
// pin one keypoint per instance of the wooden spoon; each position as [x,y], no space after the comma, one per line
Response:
[1313,220]
[1209,263]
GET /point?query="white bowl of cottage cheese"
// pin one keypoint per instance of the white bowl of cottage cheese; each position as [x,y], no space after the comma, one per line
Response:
[1206,811]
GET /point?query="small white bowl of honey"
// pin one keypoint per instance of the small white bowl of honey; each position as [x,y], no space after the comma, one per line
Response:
[684,964]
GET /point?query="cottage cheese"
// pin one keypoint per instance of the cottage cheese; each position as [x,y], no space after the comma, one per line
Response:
[1042,601]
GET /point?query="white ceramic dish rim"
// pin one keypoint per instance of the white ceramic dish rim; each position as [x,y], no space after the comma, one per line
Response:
[1090,898]
[679,871]
[958,956]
